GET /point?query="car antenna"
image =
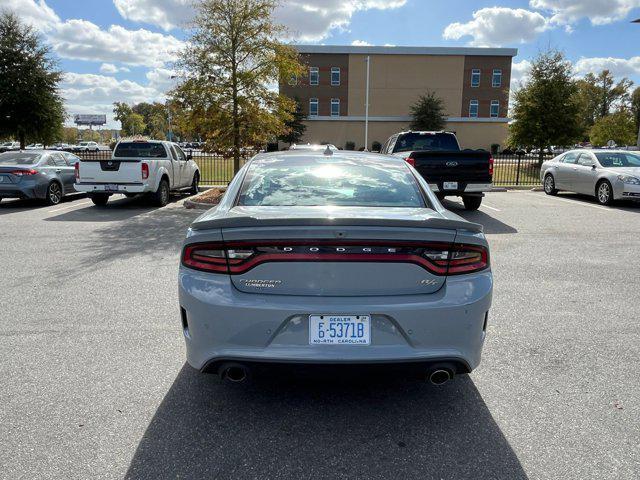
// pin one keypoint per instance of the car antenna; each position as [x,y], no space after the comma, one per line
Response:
[328,151]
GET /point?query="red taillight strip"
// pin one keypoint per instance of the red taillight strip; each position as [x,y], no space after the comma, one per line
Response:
[191,258]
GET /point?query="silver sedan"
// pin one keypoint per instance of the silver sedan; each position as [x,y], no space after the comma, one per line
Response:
[608,175]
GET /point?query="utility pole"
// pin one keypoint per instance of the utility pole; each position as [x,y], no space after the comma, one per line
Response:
[366,109]
[638,141]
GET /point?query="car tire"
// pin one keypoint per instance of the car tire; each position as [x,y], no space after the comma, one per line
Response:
[550,185]
[471,202]
[99,199]
[604,193]
[194,184]
[54,194]
[161,196]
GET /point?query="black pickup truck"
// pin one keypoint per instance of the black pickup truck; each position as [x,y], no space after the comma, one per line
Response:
[449,170]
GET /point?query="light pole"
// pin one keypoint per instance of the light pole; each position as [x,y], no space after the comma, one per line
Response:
[366,110]
[638,141]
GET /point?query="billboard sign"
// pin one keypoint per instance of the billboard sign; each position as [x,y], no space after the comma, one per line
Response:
[90,119]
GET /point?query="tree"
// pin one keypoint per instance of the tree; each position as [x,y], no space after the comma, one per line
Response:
[30,105]
[599,94]
[546,110]
[635,111]
[232,57]
[132,122]
[428,113]
[295,126]
[619,127]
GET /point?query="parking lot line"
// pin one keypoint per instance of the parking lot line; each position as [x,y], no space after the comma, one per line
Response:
[571,202]
[490,207]
[68,207]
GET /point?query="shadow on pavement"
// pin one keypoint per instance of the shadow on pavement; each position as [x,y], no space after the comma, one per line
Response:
[491,224]
[379,427]
[10,205]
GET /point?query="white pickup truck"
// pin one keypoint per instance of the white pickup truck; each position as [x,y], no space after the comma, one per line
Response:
[155,168]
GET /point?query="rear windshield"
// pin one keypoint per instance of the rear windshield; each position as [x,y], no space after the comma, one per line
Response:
[19,158]
[314,181]
[615,159]
[426,141]
[140,150]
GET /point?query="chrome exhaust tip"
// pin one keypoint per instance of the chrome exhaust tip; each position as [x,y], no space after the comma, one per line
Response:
[439,377]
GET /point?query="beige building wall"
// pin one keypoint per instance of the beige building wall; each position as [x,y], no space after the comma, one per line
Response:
[397,81]
[472,135]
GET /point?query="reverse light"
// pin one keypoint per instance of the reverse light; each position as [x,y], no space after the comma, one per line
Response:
[236,258]
[23,173]
[145,170]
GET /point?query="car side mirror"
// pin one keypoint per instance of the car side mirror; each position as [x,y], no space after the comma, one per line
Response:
[593,166]
[189,157]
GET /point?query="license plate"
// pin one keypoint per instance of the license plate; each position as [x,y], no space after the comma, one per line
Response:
[111,188]
[450,185]
[339,330]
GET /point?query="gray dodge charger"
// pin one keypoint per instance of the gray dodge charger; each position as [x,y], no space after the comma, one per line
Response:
[333,258]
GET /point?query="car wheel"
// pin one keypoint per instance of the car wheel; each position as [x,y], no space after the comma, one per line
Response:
[550,185]
[471,202]
[54,194]
[161,196]
[604,193]
[194,184]
[99,199]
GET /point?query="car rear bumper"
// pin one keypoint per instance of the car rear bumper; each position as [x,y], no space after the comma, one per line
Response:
[221,323]
[119,187]
[21,190]
[468,188]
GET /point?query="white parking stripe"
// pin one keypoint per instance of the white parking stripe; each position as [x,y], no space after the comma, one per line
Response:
[484,205]
[571,202]
[67,208]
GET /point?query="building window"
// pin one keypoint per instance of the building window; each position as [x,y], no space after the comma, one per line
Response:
[497,78]
[475,77]
[314,76]
[293,80]
[313,107]
[495,108]
[335,107]
[473,108]
[335,76]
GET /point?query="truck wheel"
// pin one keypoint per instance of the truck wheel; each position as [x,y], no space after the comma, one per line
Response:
[194,185]
[99,199]
[161,196]
[471,202]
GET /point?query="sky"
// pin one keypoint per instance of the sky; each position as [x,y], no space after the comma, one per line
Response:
[122,50]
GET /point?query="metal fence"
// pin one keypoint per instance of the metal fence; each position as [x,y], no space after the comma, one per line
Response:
[508,170]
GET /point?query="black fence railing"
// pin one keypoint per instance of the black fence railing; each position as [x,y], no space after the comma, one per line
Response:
[508,170]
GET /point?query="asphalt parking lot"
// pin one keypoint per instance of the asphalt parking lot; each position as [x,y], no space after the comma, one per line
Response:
[93,382]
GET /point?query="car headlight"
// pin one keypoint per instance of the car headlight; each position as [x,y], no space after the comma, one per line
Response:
[629,180]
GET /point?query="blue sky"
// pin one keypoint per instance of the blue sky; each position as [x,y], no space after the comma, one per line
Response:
[121,50]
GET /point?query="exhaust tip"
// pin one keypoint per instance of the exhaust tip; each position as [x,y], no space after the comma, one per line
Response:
[439,377]
[234,373]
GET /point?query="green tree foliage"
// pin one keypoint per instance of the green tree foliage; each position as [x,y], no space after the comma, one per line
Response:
[428,113]
[546,109]
[295,126]
[232,57]
[31,108]
[599,94]
[635,106]
[619,127]
[132,122]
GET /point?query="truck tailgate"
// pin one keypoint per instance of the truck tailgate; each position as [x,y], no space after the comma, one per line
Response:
[464,167]
[121,171]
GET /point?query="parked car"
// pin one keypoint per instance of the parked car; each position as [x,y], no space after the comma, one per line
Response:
[86,147]
[337,258]
[9,146]
[137,167]
[608,175]
[45,174]
[34,146]
[449,170]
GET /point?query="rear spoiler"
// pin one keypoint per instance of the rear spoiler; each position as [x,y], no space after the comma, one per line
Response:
[229,220]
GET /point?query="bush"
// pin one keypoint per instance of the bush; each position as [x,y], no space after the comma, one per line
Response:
[495,147]
[350,145]
[376,146]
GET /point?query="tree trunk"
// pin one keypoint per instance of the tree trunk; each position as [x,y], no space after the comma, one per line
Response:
[236,122]
[540,156]
[22,140]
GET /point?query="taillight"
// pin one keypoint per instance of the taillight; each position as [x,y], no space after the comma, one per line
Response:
[145,171]
[491,166]
[76,169]
[411,161]
[23,173]
[236,258]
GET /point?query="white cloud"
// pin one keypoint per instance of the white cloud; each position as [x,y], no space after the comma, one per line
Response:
[496,26]
[599,12]
[307,20]
[619,67]
[360,43]
[110,68]
[37,14]
[162,79]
